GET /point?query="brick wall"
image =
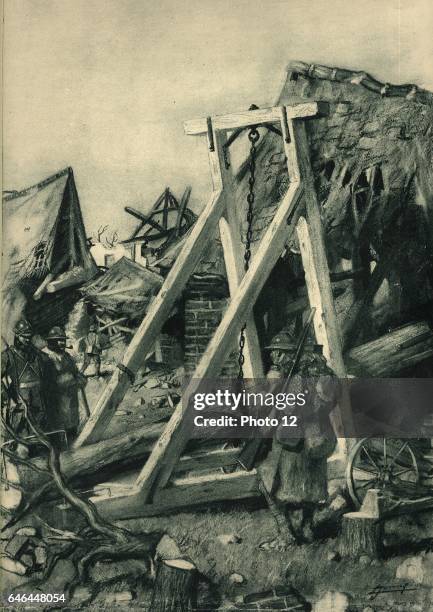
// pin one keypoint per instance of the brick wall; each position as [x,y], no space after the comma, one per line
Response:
[171,350]
[205,303]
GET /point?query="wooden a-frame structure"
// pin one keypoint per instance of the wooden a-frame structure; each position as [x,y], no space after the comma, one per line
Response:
[155,491]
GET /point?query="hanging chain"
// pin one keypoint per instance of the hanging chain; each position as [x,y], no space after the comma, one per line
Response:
[253,137]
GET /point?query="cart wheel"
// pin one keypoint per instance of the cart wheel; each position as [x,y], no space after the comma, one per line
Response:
[381,463]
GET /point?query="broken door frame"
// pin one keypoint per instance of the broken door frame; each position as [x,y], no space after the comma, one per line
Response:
[244,290]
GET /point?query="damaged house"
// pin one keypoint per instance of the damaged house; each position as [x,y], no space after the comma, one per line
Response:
[46,255]
[372,163]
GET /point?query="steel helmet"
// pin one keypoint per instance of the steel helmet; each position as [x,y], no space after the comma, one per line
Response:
[282,341]
[56,333]
[23,328]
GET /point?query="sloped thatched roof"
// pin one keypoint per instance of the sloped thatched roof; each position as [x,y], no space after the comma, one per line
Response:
[44,240]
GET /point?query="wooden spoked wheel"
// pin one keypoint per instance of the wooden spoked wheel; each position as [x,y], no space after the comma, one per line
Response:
[381,463]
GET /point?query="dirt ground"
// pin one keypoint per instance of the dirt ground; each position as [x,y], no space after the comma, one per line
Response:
[316,570]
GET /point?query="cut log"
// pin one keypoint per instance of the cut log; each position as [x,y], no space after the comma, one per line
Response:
[362,534]
[117,454]
[175,587]
[117,451]
[392,352]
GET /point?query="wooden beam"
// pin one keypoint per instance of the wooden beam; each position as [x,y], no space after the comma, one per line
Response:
[157,314]
[319,288]
[253,367]
[315,296]
[263,115]
[315,262]
[182,493]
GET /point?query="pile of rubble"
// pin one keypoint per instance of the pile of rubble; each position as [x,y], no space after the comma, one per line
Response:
[24,553]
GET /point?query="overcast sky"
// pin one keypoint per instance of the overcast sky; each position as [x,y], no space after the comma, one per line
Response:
[104,85]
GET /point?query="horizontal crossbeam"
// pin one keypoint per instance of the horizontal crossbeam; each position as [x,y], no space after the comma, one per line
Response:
[254,117]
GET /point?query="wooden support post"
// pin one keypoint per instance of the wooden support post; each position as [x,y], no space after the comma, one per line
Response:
[315,266]
[175,586]
[315,262]
[313,251]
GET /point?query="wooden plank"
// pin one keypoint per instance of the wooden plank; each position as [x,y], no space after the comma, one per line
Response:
[208,459]
[246,118]
[157,314]
[160,464]
[319,288]
[315,262]
[181,494]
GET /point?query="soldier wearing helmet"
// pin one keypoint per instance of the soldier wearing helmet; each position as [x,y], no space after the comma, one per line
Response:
[65,381]
[93,350]
[282,349]
[23,373]
[291,456]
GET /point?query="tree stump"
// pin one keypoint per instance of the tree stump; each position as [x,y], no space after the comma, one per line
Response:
[175,588]
[302,478]
[362,534]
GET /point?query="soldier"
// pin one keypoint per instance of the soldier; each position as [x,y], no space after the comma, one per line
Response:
[93,350]
[23,370]
[65,381]
[294,474]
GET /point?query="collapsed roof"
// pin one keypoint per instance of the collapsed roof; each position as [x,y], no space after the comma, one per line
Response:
[372,159]
[46,254]
[126,288]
